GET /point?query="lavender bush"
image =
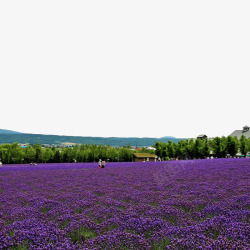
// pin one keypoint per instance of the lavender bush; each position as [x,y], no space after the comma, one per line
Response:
[157,205]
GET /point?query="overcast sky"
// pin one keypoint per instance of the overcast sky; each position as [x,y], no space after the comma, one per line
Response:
[125,68]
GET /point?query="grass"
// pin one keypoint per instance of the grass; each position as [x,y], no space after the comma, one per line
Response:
[209,216]
[200,208]
[121,207]
[45,210]
[171,219]
[155,204]
[126,200]
[148,235]
[184,208]
[99,221]
[216,234]
[99,193]
[81,234]
[64,224]
[9,222]
[111,227]
[12,233]
[21,246]
[79,210]
[161,245]
[124,247]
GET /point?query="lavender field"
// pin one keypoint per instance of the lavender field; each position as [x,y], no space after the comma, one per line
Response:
[159,205]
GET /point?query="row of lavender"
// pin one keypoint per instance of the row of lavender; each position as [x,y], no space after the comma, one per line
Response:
[184,204]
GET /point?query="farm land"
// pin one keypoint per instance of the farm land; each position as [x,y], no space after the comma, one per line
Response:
[157,205]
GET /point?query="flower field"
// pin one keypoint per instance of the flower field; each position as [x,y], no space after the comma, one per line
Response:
[158,205]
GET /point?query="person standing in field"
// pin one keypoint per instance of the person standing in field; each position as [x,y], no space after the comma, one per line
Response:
[100,163]
[1,164]
[103,164]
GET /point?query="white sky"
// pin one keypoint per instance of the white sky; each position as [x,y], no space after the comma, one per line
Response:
[125,68]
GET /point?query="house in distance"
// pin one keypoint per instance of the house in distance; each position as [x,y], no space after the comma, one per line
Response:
[238,133]
[202,137]
[144,157]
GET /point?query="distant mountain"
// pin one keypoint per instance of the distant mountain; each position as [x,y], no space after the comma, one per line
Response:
[7,132]
[11,137]
[170,137]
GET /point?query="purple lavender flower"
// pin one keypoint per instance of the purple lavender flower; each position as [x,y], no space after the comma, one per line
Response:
[191,204]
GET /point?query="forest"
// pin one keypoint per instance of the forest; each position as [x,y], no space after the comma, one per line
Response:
[184,149]
[218,147]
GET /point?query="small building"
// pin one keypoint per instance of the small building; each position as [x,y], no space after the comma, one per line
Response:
[144,157]
[202,137]
[151,148]
[238,133]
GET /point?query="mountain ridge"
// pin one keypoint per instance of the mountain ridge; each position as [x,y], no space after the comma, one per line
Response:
[6,131]
[12,136]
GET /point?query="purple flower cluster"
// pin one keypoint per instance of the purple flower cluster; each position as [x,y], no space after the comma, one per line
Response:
[154,205]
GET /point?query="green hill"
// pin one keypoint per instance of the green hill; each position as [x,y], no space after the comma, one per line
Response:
[57,139]
[5,131]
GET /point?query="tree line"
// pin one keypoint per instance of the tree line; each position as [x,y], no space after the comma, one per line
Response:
[184,149]
[14,154]
[203,148]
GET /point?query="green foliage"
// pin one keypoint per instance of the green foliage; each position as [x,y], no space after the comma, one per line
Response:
[21,246]
[13,153]
[184,149]
[56,139]
[217,149]
[244,145]
[56,156]
[45,210]
[158,245]
[232,145]
[202,148]
[81,234]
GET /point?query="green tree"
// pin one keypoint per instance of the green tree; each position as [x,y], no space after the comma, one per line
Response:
[232,145]
[30,154]
[191,151]
[244,145]
[38,153]
[161,149]
[171,149]
[217,146]
[48,154]
[57,156]
[5,156]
